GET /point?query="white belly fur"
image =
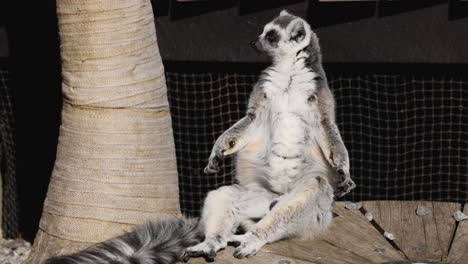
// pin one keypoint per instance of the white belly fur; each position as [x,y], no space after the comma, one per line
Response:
[261,160]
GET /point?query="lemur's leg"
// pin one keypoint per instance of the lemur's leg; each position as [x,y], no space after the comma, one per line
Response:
[303,213]
[333,146]
[223,211]
[231,141]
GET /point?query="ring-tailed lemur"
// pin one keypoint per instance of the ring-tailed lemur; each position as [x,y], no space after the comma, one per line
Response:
[290,158]
[289,151]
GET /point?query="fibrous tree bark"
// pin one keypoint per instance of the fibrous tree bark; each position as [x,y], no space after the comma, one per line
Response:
[115,164]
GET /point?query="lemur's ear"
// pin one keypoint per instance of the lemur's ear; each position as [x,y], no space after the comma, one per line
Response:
[284,13]
[298,32]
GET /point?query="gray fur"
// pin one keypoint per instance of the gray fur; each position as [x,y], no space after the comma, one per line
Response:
[160,242]
[290,155]
[283,21]
[339,157]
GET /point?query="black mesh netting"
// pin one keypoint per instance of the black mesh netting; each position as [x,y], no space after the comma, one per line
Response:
[7,159]
[406,134]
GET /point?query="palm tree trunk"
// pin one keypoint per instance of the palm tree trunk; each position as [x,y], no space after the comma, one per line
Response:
[115,163]
[1,200]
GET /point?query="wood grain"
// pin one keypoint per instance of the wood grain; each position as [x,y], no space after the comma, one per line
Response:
[262,257]
[352,232]
[351,239]
[316,251]
[459,251]
[419,237]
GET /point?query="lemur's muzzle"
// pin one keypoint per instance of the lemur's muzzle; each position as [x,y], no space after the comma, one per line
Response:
[257,45]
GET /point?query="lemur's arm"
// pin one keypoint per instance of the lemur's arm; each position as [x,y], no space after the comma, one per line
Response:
[233,139]
[228,143]
[333,147]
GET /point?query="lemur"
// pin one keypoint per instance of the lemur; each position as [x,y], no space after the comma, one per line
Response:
[290,163]
[290,155]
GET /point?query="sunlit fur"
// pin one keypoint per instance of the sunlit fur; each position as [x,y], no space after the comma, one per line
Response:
[286,25]
[288,151]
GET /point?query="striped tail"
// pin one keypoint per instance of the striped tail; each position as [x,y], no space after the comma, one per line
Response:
[161,242]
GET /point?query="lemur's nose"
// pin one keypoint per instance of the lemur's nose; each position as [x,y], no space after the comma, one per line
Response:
[253,42]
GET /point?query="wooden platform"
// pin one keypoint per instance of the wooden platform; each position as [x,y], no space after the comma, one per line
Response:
[432,234]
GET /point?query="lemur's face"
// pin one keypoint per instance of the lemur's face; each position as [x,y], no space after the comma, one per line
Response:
[286,35]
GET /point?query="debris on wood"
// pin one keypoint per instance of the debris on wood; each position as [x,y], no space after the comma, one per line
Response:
[369,216]
[389,235]
[353,206]
[459,216]
[423,210]
[379,250]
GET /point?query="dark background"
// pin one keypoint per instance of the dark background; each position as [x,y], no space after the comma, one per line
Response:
[425,35]
[418,38]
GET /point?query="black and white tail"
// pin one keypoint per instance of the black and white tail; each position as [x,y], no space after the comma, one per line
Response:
[153,243]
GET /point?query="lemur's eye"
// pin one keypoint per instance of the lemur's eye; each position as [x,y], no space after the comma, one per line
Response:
[232,143]
[312,98]
[272,36]
[317,78]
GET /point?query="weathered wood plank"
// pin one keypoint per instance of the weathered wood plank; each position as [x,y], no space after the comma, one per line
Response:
[459,251]
[419,237]
[293,251]
[318,251]
[262,257]
[351,239]
[445,224]
[352,232]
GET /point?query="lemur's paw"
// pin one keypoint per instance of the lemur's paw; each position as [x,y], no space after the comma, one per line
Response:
[213,164]
[345,183]
[247,245]
[204,249]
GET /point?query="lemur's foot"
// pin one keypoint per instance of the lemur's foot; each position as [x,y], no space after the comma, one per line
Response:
[207,249]
[247,245]
[345,184]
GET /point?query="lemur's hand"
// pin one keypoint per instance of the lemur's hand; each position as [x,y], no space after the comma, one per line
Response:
[340,159]
[213,163]
[221,149]
[345,184]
